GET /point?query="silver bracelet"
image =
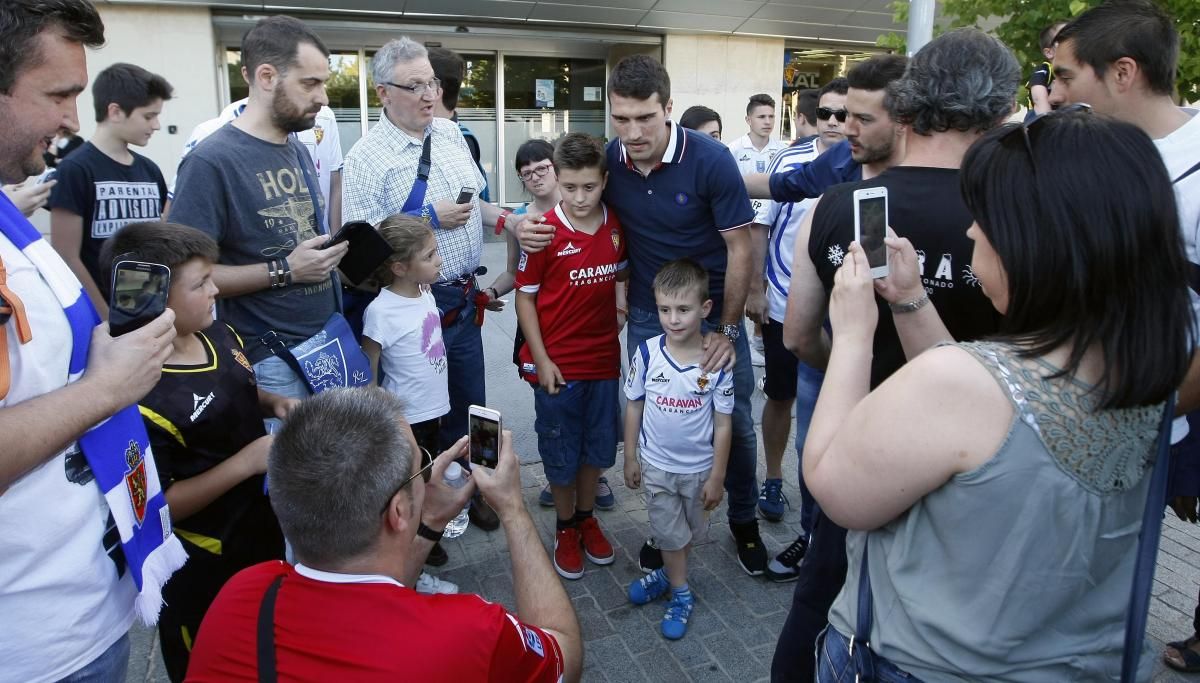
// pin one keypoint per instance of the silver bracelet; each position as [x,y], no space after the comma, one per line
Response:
[910,306]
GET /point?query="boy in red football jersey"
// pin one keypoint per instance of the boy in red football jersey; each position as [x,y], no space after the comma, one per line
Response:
[570,305]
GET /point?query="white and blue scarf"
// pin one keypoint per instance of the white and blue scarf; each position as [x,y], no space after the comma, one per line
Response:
[117,449]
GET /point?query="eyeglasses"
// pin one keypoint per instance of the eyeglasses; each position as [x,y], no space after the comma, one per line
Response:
[418,89]
[539,171]
[823,113]
[423,473]
[1027,128]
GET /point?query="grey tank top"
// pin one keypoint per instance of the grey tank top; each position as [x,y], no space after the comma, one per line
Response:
[1020,570]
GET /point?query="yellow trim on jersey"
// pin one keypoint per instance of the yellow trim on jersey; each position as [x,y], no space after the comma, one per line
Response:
[187,637]
[212,545]
[164,423]
[205,368]
[236,336]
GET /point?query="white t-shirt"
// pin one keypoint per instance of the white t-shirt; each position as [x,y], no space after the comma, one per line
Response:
[784,219]
[413,361]
[322,141]
[751,160]
[1180,152]
[61,602]
[677,420]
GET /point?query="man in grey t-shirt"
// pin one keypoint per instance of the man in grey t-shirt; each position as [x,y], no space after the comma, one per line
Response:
[248,185]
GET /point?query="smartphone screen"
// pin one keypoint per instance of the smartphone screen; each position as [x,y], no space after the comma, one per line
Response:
[465,195]
[485,438]
[138,295]
[872,213]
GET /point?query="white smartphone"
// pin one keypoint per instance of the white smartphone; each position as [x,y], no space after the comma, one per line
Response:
[485,435]
[870,227]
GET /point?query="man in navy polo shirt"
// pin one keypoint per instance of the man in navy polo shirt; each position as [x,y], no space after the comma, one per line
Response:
[679,194]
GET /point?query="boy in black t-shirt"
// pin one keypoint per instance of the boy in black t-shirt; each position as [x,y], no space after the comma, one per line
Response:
[104,185]
[205,421]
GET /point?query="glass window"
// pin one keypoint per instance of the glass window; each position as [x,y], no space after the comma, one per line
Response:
[237,85]
[342,90]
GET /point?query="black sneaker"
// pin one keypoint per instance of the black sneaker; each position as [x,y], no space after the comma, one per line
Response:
[482,515]
[751,552]
[437,556]
[650,558]
[786,565]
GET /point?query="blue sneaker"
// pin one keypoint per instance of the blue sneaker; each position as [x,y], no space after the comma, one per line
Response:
[674,622]
[648,588]
[771,500]
[546,497]
[605,500]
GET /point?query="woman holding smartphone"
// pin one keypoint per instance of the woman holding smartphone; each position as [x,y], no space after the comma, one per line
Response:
[998,487]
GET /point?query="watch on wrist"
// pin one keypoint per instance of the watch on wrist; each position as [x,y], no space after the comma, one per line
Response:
[429,534]
[731,331]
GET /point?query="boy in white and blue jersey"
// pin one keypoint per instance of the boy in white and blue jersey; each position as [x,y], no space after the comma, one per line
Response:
[678,428]
[785,379]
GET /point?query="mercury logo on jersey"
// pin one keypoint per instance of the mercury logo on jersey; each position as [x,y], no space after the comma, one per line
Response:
[199,403]
[569,249]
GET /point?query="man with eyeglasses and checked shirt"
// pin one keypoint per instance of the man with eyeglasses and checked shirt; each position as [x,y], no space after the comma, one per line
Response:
[361,531]
[381,178]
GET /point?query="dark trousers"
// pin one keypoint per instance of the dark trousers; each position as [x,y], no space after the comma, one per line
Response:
[822,573]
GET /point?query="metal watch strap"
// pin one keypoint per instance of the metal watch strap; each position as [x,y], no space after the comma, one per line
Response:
[910,306]
[730,331]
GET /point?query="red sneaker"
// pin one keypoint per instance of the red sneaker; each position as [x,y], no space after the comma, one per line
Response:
[568,561]
[595,545]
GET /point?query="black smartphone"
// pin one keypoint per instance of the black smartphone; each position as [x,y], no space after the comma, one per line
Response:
[465,195]
[347,232]
[137,296]
[485,435]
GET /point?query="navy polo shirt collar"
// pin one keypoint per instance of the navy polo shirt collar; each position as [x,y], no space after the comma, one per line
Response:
[673,154]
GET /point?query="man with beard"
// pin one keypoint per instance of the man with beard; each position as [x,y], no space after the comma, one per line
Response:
[251,186]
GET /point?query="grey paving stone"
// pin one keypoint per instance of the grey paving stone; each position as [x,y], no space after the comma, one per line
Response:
[659,666]
[710,673]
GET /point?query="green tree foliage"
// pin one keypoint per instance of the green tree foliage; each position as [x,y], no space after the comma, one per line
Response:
[1021,21]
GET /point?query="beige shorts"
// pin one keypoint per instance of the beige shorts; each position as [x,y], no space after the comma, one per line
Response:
[673,504]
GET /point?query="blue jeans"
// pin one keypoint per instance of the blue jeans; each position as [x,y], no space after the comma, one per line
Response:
[577,426]
[109,667]
[273,374]
[464,371]
[808,386]
[833,662]
[740,481]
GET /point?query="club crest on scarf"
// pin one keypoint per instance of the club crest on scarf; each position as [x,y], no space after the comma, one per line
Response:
[135,480]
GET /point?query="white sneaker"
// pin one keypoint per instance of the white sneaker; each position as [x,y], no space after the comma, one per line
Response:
[432,585]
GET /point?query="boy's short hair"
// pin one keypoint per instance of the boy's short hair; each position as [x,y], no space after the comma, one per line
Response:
[682,275]
[578,151]
[697,115]
[448,68]
[170,244]
[760,100]
[129,86]
[806,105]
[638,77]
[1137,29]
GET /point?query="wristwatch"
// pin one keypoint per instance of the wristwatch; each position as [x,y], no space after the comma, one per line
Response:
[731,331]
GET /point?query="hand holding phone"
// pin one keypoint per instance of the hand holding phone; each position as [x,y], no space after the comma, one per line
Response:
[465,195]
[485,435]
[137,296]
[870,227]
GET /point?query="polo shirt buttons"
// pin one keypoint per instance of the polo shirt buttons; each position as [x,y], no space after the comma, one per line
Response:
[649,191]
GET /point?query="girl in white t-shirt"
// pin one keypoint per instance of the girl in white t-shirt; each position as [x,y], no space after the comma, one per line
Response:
[402,331]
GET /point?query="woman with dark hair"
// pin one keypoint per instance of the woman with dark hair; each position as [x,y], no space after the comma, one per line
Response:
[535,168]
[997,487]
[702,120]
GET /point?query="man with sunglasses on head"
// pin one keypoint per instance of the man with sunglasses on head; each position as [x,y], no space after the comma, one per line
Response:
[361,530]
[953,90]
[1122,58]
[384,175]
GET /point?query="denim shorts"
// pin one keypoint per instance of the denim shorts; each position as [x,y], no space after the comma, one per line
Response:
[577,426]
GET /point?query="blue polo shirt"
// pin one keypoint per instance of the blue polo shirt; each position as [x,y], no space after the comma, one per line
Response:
[806,181]
[677,210]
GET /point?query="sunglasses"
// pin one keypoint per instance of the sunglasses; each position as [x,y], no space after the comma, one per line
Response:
[423,473]
[823,113]
[1027,128]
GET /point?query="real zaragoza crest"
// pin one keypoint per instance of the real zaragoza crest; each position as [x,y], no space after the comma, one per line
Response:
[318,133]
[135,480]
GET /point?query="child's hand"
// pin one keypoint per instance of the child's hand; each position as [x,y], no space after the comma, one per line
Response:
[254,455]
[633,472]
[549,377]
[713,491]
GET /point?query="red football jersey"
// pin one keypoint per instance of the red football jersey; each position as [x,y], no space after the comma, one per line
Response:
[365,629]
[575,279]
